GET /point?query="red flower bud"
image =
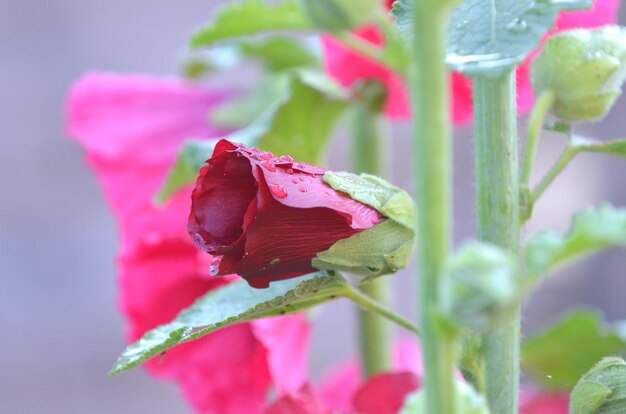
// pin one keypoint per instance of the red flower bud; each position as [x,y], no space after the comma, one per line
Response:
[267,216]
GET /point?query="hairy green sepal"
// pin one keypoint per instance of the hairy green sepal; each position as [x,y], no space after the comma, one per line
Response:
[382,249]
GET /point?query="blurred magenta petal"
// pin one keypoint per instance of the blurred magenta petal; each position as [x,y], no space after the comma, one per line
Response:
[287,338]
[132,128]
[338,387]
[137,117]
[302,401]
[535,401]
[385,393]
[347,66]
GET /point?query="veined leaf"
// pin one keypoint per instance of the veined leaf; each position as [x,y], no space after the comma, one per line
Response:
[249,18]
[234,303]
[591,230]
[559,356]
[488,38]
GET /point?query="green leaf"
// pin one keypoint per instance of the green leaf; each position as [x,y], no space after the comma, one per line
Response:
[250,18]
[280,53]
[616,148]
[235,303]
[591,230]
[185,170]
[602,389]
[491,37]
[299,124]
[242,111]
[559,356]
[302,123]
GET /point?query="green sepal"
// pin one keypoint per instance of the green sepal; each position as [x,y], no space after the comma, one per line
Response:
[468,401]
[552,357]
[249,18]
[602,390]
[383,248]
[591,230]
[234,303]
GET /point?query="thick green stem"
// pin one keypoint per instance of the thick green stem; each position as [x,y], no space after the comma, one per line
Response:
[433,161]
[371,306]
[376,335]
[498,216]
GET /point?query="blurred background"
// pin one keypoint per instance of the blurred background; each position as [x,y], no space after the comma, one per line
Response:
[61,330]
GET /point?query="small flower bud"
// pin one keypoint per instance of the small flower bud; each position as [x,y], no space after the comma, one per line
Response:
[602,389]
[584,69]
[337,15]
[480,284]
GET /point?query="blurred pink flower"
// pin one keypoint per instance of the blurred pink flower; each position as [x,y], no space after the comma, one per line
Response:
[344,392]
[132,128]
[347,66]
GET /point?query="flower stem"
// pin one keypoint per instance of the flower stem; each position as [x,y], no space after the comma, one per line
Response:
[535,123]
[371,305]
[498,222]
[376,335]
[430,96]
[567,156]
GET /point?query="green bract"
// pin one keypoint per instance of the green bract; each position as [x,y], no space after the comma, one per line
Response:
[602,389]
[585,70]
[338,15]
[383,248]
[480,284]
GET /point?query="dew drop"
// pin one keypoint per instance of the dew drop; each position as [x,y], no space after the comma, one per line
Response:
[289,171]
[268,165]
[255,149]
[214,267]
[517,25]
[286,158]
[278,190]
[299,165]
[199,240]
[294,181]
[267,156]
[301,189]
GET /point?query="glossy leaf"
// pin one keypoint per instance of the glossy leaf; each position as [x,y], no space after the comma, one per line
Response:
[488,38]
[235,303]
[559,356]
[591,230]
[250,18]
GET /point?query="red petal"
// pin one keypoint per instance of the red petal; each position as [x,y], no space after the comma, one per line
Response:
[385,393]
[305,401]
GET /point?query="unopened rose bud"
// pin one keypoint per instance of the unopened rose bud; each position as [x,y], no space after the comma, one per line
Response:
[584,69]
[338,15]
[602,389]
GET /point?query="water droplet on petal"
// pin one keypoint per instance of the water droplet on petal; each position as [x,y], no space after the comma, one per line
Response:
[289,171]
[267,156]
[299,165]
[214,268]
[268,165]
[294,181]
[286,158]
[302,190]
[255,149]
[278,190]
[517,25]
